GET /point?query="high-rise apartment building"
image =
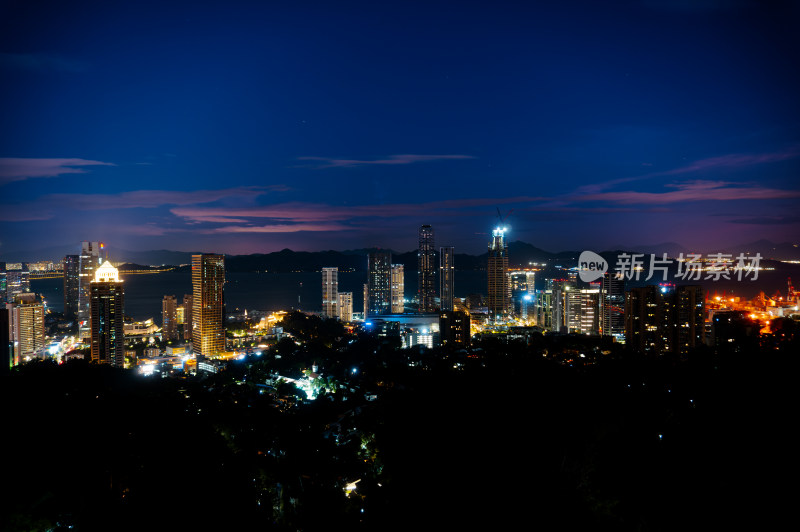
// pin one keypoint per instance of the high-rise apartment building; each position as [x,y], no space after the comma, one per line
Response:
[426,270]
[106,316]
[72,285]
[17,280]
[499,290]
[345,306]
[446,277]
[26,327]
[379,284]
[330,291]
[169,318]
[187,316]
[664,319]
[612,305]
[398,289]
[208,313]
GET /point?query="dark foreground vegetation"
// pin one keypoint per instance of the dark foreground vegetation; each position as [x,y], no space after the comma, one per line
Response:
[496,439]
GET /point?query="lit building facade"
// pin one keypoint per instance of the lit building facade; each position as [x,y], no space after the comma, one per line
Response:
[330,291]
[379,284]
[664,319]
[17,281]
[208,304]
[169,318]
[398,289]
[106,316]
[186,304]
[499,289]
[26,327]
[345,306]
[426,270]
[612,306]
[72,285]
[89,261]
[447,273]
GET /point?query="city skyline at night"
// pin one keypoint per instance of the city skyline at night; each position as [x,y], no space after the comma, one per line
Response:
[248,130]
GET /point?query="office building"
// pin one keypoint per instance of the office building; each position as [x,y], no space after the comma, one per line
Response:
[107,314]
[330,291]
[345,306]
[379,284]
[89,261]
[208,312]
[426,270]
[690,311]
[447,272]
[72,285]
[17,280]
[398,289]
[499,289]
[26,327]
[169,318]
[6,347]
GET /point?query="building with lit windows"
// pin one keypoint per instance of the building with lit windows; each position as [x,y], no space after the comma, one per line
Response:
[72,285]
[26,327]
[169,318]
[398,289]
[664,318]
[89,261]
[106,316]
[208,304]
[345,306]
[499,289]
[187,322]
[447,272]
[426,270]
[330,291]
[379,284]
[612,306]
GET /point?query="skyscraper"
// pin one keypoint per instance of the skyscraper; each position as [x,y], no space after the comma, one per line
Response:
[208,325]
[89,261]
[379,284]
[187,316]
[169,318]
[26,326]
[72,285]
[664,319]
[499,290]
[17,279]
[426,270]
[446,274]
[398,289]
[107,314]
[612,305]
[345,306]
[330,291]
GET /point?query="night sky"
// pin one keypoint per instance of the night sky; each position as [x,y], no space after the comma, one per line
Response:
[238,128]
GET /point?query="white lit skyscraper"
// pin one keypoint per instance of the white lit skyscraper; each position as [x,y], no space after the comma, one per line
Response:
[499,289]
[426,271]
[446,275]
[107,314]
[330,291]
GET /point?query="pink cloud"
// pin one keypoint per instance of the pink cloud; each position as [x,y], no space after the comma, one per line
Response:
[19,169]
[279,228]
[691,191]
[329,162]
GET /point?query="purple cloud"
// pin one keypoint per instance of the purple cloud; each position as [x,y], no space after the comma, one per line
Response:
[691,191]
[329,162]
[19,169]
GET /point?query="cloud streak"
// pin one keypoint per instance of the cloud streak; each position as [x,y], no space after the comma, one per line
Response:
[699,190]
[19,169]
[392,160]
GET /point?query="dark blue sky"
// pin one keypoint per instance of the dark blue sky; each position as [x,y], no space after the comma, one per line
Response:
[234,128]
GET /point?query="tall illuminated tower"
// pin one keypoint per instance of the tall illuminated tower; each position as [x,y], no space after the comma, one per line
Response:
[426,271]
[208,327]
[107,313]
[499,289]
[72,285]
[169,318]
[26,326]
[89,261]
[330,291]
[379,284]
[398,288]
[446,274]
